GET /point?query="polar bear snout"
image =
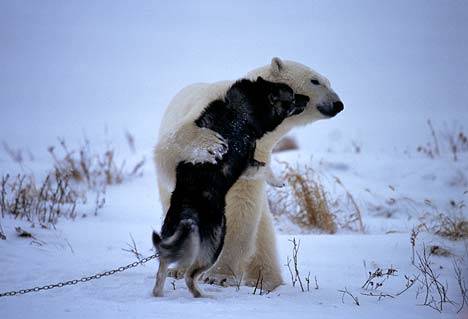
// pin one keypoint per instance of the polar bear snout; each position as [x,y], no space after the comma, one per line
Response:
[338,106]
[331,109]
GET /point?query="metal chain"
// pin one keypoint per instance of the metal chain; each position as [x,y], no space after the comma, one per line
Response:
[83,279]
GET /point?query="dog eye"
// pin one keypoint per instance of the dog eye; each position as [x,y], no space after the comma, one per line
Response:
[315,82]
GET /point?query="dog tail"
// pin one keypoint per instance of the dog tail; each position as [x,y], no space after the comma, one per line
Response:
[179,246]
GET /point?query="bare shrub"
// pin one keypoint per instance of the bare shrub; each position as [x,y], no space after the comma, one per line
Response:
[434,292]
[130,141]
[454,141]
[461,284]
[437,250]
[414,235]
[259,284]
[345,292]
[431,149]
[453,227]
[133,249]
[450,223]
[294,270]
[43,203]
[353,219]
[287,143]
[377,277]
[292,263]
[92,168]
[303,200]
[76,174]
[16,155]
[2,233]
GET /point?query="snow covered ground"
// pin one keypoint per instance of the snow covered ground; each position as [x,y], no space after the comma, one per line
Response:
[100,68]
[94,244]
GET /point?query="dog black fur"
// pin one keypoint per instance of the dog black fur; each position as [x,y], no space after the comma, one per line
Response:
[194,228]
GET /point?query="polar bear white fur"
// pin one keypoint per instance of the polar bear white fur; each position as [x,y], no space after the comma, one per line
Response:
[250,243]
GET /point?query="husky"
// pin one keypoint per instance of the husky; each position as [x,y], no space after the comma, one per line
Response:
[194,227]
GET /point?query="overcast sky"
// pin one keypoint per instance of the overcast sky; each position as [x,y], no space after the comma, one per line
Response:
[68,67]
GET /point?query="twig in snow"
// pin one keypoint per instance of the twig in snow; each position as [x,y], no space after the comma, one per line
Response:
[435,292]
[378,273]
[409,283]
[259,283]
[346,292]
[461,284]
[132,248]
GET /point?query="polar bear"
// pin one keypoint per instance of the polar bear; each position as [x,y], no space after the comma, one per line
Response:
[250,245]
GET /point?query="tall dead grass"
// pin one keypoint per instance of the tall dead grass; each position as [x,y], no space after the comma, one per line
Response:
[77,175]
[450,222]
[306,202]
[447,140]
[92,167]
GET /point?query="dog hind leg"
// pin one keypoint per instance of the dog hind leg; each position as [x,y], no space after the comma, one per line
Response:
[191,278]
[160,278]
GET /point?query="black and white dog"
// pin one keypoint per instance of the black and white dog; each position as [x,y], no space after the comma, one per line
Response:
[193,231]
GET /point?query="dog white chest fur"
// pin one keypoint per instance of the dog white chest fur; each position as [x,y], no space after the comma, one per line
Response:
[250,244]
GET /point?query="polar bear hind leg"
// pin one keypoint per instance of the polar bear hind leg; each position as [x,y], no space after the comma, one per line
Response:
[265,263]
[242,217]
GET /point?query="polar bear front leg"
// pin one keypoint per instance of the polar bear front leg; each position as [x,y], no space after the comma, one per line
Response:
[262,171]
[200,144]
[189,143]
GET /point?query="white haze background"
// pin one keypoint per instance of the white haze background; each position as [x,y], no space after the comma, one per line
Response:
[98,68]
[70,68]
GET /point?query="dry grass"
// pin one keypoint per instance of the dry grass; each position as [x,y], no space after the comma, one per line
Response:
[447,140]
[303,200]
[450,223]
[43,203]
[77,174]
[453,227]
[93,168]
[352,220]
[306,203]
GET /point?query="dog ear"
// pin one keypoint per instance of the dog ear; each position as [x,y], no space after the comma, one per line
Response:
[283,94]
[273,98]
[301,100]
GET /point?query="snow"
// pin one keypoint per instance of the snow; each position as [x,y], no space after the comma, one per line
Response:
[94,244]
[97,69]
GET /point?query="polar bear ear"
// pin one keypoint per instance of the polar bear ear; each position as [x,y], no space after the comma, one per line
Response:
[276,65]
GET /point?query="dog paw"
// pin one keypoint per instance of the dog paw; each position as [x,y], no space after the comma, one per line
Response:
[207,146]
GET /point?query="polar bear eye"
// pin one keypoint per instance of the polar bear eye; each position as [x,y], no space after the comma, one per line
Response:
[315,82]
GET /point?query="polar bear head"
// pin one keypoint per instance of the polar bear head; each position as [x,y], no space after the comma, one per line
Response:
[323,101]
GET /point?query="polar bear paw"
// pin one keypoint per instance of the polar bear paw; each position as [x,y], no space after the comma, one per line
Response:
[220,280]
[207,146]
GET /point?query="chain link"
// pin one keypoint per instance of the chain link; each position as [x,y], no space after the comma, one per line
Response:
[83,279]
